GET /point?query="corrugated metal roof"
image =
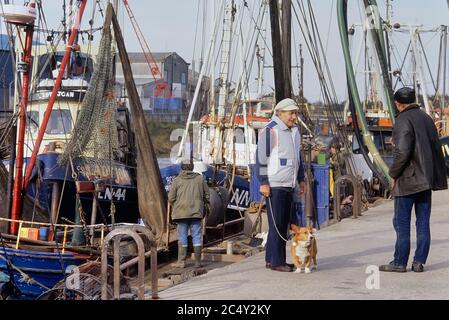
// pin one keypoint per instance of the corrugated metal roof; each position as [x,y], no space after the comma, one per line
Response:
[139,57]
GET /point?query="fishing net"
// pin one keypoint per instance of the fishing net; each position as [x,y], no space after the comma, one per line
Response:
[95,136]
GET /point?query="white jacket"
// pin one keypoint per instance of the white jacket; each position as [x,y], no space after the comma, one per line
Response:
[278,156]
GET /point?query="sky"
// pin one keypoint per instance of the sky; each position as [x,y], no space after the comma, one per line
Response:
[170,25]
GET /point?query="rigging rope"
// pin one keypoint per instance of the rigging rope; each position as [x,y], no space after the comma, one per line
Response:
[317,52]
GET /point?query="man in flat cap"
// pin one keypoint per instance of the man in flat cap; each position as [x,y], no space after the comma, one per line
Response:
[418,168]
[279,169]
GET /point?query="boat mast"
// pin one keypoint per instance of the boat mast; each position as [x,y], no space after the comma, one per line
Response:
[286,38]
[420,78]
[64,20]
[443,98]
[69,23]
[209,61]
[225,58]
[203,33]
[260,53]
[246,97]
[54,93]
[389,14]
[375,32]
[69,15]
[212,75]
[281,79]
[24,68]
[13,138]
[301,76]
[226,44]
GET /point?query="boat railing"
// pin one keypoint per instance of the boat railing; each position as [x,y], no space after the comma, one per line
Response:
[66,227]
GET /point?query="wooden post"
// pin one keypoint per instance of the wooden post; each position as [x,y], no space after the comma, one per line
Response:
[277,51]
[55,198]
[286,36]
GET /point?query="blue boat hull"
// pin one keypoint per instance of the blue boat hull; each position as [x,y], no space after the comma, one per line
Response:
[121,190]
[240,197]
[45,268]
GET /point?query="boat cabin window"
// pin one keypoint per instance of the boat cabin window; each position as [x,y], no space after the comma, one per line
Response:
[60,122]
[80,66]
[239,135]
[383,142]
[32,121]
[263,108]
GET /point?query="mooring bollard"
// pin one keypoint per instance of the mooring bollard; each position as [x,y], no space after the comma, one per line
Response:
[116,235]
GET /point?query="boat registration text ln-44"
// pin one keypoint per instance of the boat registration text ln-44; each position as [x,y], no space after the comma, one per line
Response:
[118,194]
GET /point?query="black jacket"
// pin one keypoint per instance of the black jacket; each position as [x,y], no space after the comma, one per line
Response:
[418,161]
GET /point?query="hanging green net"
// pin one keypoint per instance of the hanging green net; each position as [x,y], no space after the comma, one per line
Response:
[95,136]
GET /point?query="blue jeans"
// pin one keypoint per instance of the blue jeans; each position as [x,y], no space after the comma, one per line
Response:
[401,222]
[195,231]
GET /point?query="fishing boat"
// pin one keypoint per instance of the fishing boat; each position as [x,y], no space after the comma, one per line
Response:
[64,179]
[370,111]
[225,137]
[87,162]
[30,273]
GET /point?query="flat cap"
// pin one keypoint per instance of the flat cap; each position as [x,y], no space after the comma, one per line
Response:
[286,105]
[405,95]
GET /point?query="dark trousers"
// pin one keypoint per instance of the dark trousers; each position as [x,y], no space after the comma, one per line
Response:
[401,222]
[280,209]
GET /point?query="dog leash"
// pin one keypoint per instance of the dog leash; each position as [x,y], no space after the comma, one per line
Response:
[274,221]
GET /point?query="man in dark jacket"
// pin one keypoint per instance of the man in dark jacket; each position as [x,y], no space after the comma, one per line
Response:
[418,168]
[189,196]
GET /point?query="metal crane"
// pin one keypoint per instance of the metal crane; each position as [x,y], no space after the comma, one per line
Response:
[161,84]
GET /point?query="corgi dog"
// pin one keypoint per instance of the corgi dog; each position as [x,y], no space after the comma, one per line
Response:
[304,248]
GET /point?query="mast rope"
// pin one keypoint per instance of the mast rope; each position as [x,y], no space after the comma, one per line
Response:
[316,50]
